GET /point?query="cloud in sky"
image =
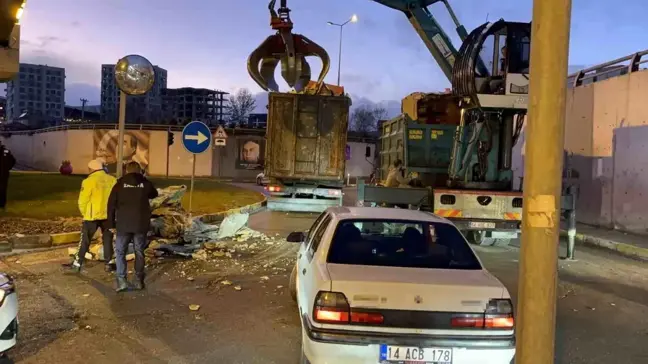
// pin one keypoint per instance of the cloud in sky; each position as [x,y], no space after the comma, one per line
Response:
[207,44]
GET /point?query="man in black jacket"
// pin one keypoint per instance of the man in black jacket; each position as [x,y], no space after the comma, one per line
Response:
[130,212]
[7,162]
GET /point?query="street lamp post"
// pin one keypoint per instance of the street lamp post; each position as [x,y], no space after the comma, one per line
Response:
[134,75]
[353,19]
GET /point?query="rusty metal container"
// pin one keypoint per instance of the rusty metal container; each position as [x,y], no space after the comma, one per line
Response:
[306,137]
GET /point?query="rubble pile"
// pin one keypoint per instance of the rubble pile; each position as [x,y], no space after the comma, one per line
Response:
[175,233]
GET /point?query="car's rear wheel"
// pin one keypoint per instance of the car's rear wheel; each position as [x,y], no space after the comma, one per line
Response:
[292,285]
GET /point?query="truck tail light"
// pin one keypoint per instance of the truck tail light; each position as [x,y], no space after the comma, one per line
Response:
[274,188]
[333,308]
[498,315]
[334,192]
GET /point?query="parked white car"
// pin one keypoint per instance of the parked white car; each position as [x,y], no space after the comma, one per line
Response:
[381,285]
[8,314]
[261,179]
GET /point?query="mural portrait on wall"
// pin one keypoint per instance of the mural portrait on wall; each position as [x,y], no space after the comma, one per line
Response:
[136,147]
[250,154]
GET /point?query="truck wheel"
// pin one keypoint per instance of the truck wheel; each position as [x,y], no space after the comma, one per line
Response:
[292,285]
[477,237]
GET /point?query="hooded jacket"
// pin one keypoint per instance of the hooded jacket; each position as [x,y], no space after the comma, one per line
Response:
[129,209]
[93,198]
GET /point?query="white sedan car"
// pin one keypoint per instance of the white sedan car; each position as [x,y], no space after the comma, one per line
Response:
[380,285]
[8,315]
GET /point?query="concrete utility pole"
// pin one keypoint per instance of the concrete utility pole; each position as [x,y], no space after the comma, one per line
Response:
[83,104]
[536,308]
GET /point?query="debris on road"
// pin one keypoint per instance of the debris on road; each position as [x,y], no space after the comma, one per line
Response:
[238,288]
[194,307]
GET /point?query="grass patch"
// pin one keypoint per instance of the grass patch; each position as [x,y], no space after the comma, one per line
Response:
[48,196]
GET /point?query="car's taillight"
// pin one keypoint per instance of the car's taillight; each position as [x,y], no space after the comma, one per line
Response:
[274,188]
[333,308]
[334,192]
[498,315]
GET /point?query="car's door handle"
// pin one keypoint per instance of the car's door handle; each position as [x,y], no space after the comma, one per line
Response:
[304,271]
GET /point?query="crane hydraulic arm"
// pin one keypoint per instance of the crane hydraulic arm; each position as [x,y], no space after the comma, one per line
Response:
[430,31]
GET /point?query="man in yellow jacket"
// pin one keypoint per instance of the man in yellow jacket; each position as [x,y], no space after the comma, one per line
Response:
[93,205]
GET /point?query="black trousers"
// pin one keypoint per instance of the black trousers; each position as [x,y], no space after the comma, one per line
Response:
[88,229]
[4,182]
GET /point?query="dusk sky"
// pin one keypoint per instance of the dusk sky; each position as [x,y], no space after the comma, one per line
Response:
[205,43]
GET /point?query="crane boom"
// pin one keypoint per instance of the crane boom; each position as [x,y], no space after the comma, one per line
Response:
[430,31]
[435,39]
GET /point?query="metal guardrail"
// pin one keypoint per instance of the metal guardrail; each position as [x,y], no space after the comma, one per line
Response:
[361,138]
[152,127]
[634,61]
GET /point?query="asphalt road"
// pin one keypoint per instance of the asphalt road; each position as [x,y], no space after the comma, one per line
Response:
[602,307]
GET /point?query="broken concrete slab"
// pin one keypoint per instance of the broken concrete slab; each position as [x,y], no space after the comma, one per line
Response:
[231,225]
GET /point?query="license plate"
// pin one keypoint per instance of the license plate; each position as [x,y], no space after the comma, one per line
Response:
[305,191]
[482,225]
[407,354]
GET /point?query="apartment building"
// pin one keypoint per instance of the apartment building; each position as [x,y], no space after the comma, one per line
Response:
[182,105]
[36,96]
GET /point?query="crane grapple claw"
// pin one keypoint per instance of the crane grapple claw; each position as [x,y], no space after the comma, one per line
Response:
[290,50]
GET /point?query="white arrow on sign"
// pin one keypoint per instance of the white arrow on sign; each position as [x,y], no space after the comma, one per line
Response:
[199,138]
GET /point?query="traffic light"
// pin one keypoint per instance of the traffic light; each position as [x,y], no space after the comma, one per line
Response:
[169,138]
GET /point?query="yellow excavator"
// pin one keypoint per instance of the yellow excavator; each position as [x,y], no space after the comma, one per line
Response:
[10,13]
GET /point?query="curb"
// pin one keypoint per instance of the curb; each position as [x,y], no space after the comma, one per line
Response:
[621,248]
[66,238]
[63,239]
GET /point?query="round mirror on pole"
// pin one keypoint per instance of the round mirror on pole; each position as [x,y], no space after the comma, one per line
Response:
[134,75]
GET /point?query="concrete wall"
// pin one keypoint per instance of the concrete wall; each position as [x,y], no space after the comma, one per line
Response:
[359,165]
[606,141]
[45,151]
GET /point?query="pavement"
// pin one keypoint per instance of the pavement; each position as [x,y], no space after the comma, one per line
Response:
[602,308]
[627,244]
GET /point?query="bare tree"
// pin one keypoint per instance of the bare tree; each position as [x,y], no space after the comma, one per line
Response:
[365,118]
[240,105]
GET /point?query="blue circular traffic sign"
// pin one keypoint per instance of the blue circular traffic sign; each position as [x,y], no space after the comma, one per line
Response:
[196,137]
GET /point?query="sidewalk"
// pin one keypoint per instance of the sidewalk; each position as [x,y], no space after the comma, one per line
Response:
[634,246]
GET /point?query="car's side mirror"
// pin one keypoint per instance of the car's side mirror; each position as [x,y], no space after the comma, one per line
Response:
[296,237]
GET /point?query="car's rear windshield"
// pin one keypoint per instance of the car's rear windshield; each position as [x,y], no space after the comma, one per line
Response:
[398,243]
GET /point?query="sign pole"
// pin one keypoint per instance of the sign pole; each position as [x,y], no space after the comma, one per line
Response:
[536,326]
[196,139]
[120,138]
[193,174]
[168,155]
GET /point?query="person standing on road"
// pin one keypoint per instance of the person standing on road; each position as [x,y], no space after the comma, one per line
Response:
[129,210]
[7,162]
[93,204]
